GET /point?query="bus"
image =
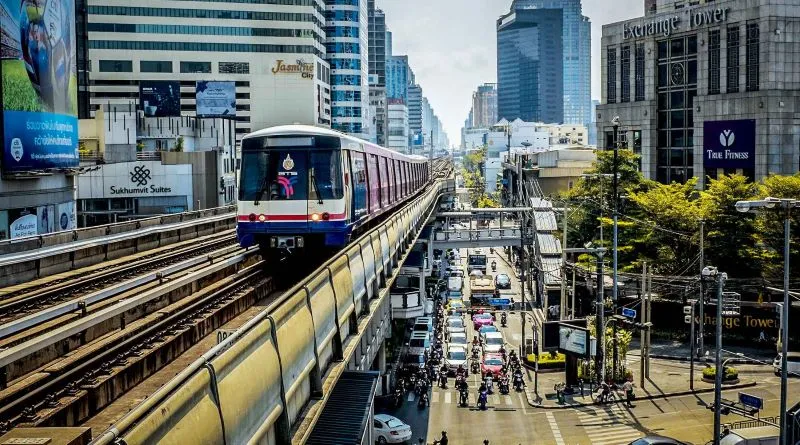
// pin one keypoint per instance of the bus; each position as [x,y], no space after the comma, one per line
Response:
[476,260]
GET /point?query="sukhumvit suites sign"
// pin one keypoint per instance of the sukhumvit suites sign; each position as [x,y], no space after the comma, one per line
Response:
[666,25]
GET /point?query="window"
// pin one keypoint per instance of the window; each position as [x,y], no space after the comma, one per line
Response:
[713,61]
[625,73]
[346,79]
[325,175]
[346,64]
[195,67]
[733,59]
[234,68]
[202,47]
[751,57]
[611,85]
[342,47]
[639,73]
[116,66]
[155,66]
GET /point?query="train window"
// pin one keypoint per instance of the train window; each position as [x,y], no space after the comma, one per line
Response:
[251,176]
[374,183]
[275,175]
[397,192]
[325,175]
[388,180]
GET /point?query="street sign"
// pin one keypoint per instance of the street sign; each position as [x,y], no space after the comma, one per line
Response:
[628,312]
[499,301]
[751,401]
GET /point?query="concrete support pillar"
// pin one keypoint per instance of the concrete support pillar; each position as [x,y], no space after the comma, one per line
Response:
[381,358]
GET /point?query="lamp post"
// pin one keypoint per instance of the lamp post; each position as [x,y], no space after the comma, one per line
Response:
[786,205]
[615,182]
[719,277]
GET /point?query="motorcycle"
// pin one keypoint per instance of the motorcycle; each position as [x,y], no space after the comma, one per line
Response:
[503,320]
[421,388]
[503,385]
[423,401]
[443,378]
[494,266]
[412,381]
[476,367]
[482,397]
[398,397]
[463,398]
[518,382]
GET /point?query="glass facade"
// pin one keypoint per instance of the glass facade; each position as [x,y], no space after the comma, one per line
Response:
[625,74]
[530,81]
[203,30]
[751,81]
[639,73]
[397,78]
[713,61]
[676,88]
[733,59]
[576,56]
[611,79]
[347,44]
[200,46]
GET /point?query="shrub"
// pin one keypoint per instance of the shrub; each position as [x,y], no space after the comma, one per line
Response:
[549,360]
[731,373]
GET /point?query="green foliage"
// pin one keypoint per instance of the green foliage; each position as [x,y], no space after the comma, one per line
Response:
[769,225]
[486,201]
[178,144]
[549,360]
[710,373]
[139,146]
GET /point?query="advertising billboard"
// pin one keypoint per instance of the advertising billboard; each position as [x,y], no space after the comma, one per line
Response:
[23,223]
[729,144]
[39,84]
[160,98]
[215,98]
[573,340]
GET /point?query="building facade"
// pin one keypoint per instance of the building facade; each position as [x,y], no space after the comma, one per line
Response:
[398,125]
[415,115]
[576,40]
[273,52]
[347,46]
[530,81]
[484,105]
[705,90]
[377,72]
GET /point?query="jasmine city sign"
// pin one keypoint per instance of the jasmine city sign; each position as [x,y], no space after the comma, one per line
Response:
[667,25]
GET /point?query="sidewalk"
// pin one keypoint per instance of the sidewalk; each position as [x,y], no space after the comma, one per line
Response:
[667,379]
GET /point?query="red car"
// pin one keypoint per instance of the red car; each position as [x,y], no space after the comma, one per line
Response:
[483,319]
[491,365]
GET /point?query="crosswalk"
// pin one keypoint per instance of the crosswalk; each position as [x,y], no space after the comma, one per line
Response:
[450,397]
[607,425]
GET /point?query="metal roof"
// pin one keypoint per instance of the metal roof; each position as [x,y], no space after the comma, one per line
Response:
[548,244]
[345,416]
[551,267]
[545,221]
[541,203]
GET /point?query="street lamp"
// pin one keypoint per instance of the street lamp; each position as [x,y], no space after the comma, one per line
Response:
[711,272]
[786,205]
[615,288]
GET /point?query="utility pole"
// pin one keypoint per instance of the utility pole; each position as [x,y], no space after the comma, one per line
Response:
[691,352]
[720,278]
[785,322]
[649,320]
[564,266]
[643,319]
[572,317]
[702,300]
[599,359]
[615,182]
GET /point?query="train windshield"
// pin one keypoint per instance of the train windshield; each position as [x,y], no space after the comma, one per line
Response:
[290,174]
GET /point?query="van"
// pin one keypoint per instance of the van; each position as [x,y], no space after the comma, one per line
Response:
[792,364]
[419,343]
[455,284]
[423,324]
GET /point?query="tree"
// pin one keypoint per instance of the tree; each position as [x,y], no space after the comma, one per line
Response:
[769,226]
[731,244]
[178,144]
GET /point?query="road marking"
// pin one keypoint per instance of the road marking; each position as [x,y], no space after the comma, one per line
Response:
[411,397]
[508,400]
[551,419]
[448,397]
[435,397]
[607,426]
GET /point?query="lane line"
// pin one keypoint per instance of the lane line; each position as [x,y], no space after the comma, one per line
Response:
[448,397]
[554,428]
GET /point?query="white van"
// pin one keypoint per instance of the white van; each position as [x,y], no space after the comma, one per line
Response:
[455,284]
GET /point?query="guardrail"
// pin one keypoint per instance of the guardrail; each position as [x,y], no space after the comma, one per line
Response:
[256,385]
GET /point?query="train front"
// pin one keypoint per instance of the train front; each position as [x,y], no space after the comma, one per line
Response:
[291,192]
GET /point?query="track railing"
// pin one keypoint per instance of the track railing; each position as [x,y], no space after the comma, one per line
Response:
[268,382]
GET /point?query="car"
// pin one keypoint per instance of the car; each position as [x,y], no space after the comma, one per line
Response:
[493,341]
[792,365]
[390,429]
[492,364]
[482,319]
[502,281]
[459,339]
[455,324]
[419,342]
[455,272]
[423,324]
[456,306]
[476,273]
[656,440]
[485,329]
[456,356]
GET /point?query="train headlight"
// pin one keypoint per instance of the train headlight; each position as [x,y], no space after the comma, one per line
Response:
[315,217]
[262,217]
[326,216]
[252,217]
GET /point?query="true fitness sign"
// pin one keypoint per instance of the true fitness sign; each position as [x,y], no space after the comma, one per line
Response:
[729,144]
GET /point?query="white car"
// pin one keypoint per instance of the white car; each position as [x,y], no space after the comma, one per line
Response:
[455,324]
[492,342]
[459,339]
[390,429]
[456,356]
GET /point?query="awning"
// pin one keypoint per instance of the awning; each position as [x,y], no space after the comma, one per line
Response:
[346,416]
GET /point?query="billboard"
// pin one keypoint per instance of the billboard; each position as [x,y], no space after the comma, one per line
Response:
[215,98]
[39,85]
[160,98]
[729,144]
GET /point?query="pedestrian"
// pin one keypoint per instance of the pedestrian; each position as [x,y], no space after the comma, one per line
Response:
[580,383]
[628,388]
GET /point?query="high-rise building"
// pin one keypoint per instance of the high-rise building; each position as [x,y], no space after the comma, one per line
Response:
[397,125]
[347,45]
[530,83]
[484,105]
[397,77]
[276,59]
[576,55]
[415,116]
[377,72]
[82,58]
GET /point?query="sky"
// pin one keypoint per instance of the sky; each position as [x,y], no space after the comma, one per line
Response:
[452,46]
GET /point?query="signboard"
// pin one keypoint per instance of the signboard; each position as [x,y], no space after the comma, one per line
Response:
[665,25]
[160,98]
[729,144]
[573,340]
[751,401]
[66,216]
[300,66]
[136,179]
[24,225]
[39,85]
[499,301]
[628,312]
[215,98]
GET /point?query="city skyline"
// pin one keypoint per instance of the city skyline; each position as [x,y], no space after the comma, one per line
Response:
[470,46]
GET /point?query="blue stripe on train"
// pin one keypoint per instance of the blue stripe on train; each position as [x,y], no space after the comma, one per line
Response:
[335,232]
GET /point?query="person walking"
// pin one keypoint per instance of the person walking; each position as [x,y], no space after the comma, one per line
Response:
[628,388]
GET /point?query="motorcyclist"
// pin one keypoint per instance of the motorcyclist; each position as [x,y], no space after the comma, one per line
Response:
[461,371]
[443,376]
[503,319]
[503,352]
[494,266]
[475,342]
[443,439]
[489,383]
[423,400]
